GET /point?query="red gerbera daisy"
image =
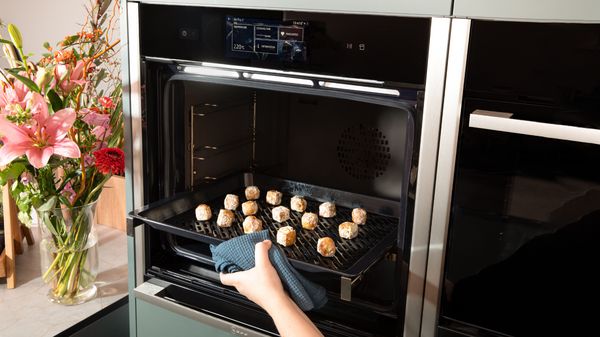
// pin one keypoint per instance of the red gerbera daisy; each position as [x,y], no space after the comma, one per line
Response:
[110,160]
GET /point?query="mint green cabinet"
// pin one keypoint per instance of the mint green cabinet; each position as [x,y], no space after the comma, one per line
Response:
[530,10]
[388,7]
[154,321]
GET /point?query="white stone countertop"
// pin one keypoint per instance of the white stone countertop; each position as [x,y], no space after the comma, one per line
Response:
[25,310]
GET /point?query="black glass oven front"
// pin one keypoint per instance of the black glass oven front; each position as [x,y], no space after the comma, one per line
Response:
[524,229]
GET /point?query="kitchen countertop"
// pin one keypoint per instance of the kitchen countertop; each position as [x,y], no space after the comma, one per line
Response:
[26,311]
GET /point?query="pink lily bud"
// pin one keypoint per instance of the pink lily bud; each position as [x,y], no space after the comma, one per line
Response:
[42,77]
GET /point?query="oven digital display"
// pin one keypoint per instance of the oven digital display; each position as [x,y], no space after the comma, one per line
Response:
[265,39]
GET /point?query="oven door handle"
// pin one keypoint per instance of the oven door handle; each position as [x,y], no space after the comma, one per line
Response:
[148,291]
[502,121]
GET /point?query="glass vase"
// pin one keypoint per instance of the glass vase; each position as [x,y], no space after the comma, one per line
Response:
[69,253]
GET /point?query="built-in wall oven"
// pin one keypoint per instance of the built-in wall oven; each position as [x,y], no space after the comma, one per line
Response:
[332,107]
[523,203]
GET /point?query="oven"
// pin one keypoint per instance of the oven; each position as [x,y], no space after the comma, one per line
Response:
[333,107]
[518,217]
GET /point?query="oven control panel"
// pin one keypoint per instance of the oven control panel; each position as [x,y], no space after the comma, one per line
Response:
[265,39]
[383,48]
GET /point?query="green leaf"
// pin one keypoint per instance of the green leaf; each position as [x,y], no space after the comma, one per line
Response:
[48,205]
[101,75]
[50,227]
[5,41]
[24,218]
[57,103]
[47,45]
[71,39]
[13,171]
[29,83]
[14,187]
[64,200]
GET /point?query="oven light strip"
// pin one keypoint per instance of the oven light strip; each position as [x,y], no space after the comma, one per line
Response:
[291,73]
[361,88]
[220,72]
[279,79]
[210,72]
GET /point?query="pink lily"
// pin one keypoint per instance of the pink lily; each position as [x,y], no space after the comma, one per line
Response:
[11,95]
[100,122]
[38,107]
[93,118]
[101,132]
[68,77]
[40,140]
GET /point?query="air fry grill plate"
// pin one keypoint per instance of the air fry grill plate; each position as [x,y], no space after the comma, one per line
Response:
[352,257]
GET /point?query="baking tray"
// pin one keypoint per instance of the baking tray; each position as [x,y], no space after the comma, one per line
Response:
[352,257]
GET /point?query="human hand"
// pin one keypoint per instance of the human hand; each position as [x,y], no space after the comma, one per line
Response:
[260,284]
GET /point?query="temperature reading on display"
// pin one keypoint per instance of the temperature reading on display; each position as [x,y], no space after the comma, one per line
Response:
[266,39]
[238,46]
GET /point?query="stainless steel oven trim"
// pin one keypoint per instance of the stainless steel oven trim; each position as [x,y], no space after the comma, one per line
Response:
[135,95]
[147,292]
[457,59]
[131,281]
[503,122]
[136,155]
[126,109]
[432,108]
[140,257]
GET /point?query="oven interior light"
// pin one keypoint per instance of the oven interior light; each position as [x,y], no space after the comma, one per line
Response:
[287,73]
[278,79]
[361,88]
[211,72]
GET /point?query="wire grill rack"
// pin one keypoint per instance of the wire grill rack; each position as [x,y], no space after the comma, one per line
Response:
[351,257]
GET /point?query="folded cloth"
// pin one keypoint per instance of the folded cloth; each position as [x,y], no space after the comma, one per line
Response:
[237,254]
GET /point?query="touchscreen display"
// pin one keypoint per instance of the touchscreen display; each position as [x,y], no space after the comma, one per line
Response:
[265,39]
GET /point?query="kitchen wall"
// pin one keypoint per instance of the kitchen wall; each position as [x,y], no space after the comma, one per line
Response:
[42,20]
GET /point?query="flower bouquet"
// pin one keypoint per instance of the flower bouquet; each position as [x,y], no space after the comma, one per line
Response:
[61,133]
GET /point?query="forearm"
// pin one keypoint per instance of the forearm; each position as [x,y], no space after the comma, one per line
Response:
[289,319]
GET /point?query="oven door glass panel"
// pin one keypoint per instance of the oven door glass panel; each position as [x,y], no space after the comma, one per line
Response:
[524,232]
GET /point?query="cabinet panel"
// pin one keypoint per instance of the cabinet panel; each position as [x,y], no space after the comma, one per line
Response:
[530,10]
[396,7]
[153,321]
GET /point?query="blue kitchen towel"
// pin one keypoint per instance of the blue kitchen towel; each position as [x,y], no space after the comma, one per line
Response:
[237,254]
